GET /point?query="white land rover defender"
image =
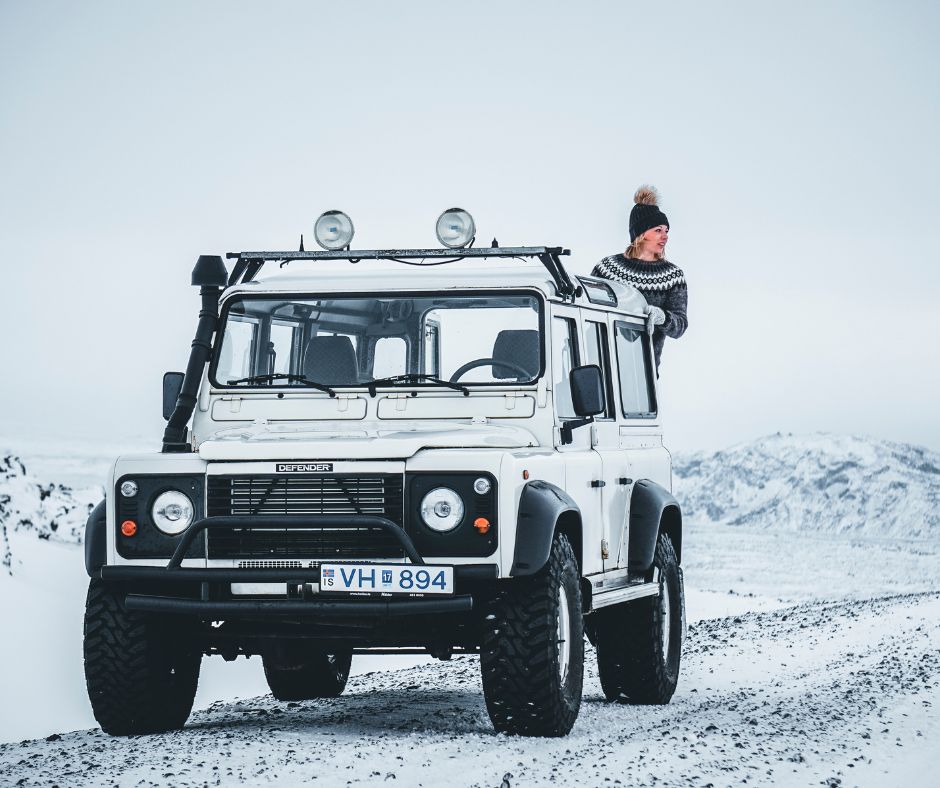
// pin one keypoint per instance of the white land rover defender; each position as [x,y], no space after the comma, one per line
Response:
[395,458]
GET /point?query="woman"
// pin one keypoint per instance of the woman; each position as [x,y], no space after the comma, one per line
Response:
[644,265]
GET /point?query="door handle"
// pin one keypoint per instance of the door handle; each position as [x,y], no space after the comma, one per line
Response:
[598,483]
[624,480]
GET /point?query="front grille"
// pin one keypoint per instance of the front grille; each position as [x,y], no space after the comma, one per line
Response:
[273,496]
[270,564]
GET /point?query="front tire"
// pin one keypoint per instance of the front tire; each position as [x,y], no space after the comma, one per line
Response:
[639,643]
[141,673]
[532,658]
[319,675]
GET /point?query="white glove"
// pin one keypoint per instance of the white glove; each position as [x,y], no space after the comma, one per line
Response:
[654,317]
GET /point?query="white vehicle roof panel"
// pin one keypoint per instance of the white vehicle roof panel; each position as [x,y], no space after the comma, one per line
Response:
[370,276]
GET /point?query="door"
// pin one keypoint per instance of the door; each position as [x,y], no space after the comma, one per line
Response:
[640,436]
[582,464]
[606,440]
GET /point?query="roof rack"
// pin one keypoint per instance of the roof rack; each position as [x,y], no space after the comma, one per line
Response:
[250,263]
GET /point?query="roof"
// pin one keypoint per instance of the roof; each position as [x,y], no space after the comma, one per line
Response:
[390,276]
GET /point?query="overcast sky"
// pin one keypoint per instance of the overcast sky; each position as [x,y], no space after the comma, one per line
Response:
[796,146]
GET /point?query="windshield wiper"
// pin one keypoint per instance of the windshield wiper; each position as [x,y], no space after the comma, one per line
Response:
[414,377]
[284,376]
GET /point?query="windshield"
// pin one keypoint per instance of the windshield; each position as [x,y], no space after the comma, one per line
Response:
[298,341]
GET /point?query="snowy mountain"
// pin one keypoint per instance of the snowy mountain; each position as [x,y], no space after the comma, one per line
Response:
[819,482]
[51,510]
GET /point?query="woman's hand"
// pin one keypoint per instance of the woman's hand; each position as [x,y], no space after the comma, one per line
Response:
[654,317]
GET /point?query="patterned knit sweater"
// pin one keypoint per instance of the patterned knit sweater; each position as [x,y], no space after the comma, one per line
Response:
[661,283]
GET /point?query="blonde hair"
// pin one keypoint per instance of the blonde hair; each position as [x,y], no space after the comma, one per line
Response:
[636,247]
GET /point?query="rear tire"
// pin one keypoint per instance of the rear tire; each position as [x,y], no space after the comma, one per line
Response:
[532,659]
[639,643]
[320,675]
[140,671]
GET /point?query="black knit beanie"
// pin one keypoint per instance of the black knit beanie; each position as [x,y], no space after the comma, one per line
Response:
[645,213]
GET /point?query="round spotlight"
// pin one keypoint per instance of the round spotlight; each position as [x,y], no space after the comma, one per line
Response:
[481,486]
[129,489]
[333,230]
[455,228]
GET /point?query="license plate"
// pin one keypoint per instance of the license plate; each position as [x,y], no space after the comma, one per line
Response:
[386,579]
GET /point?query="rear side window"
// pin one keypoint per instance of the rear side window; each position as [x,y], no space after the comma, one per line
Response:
[283,347]
[633,367]
[391,355]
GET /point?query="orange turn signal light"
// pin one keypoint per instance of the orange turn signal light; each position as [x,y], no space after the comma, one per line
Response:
[128,528]
[525,474]
[482,525]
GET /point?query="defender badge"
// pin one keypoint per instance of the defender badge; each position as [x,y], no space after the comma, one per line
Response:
[304,467]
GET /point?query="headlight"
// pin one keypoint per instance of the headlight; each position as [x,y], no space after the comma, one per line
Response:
[172,512]
[455,228]
[333,230]
[442,509]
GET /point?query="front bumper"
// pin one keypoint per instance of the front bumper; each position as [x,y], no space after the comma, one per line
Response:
[206,592]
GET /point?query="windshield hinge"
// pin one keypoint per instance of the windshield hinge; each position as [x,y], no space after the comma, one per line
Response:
[541,392]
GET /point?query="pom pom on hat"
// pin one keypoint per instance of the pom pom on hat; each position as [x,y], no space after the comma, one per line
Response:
[646,195]
[645,213]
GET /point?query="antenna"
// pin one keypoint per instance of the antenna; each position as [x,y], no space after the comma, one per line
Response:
[301,243]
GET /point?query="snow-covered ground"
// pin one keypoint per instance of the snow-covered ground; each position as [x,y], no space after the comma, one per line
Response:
[812,658]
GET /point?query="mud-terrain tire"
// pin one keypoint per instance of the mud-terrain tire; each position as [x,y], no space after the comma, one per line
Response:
[639,644]
[532,659]
[141,671]
[322,676]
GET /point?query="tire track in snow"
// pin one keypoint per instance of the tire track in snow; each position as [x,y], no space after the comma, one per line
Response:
[822,692]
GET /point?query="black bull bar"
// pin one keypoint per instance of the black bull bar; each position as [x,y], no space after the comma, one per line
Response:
[209,578]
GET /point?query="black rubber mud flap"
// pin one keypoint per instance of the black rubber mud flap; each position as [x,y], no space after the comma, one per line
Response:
[540,506]
[651,505]
[96,539]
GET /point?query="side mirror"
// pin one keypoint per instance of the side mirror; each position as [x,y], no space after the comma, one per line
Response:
[587,396]
[172,384]
[587,390]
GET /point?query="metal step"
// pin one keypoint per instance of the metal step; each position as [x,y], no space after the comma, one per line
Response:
[625,594]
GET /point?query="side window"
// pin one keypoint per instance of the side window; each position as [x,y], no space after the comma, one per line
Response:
[633,363]
[564,359]
[236,351]
[432,348]
[597,353]
[282,346]
[390,357]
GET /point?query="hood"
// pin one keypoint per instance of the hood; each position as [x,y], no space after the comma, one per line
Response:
[370,441]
